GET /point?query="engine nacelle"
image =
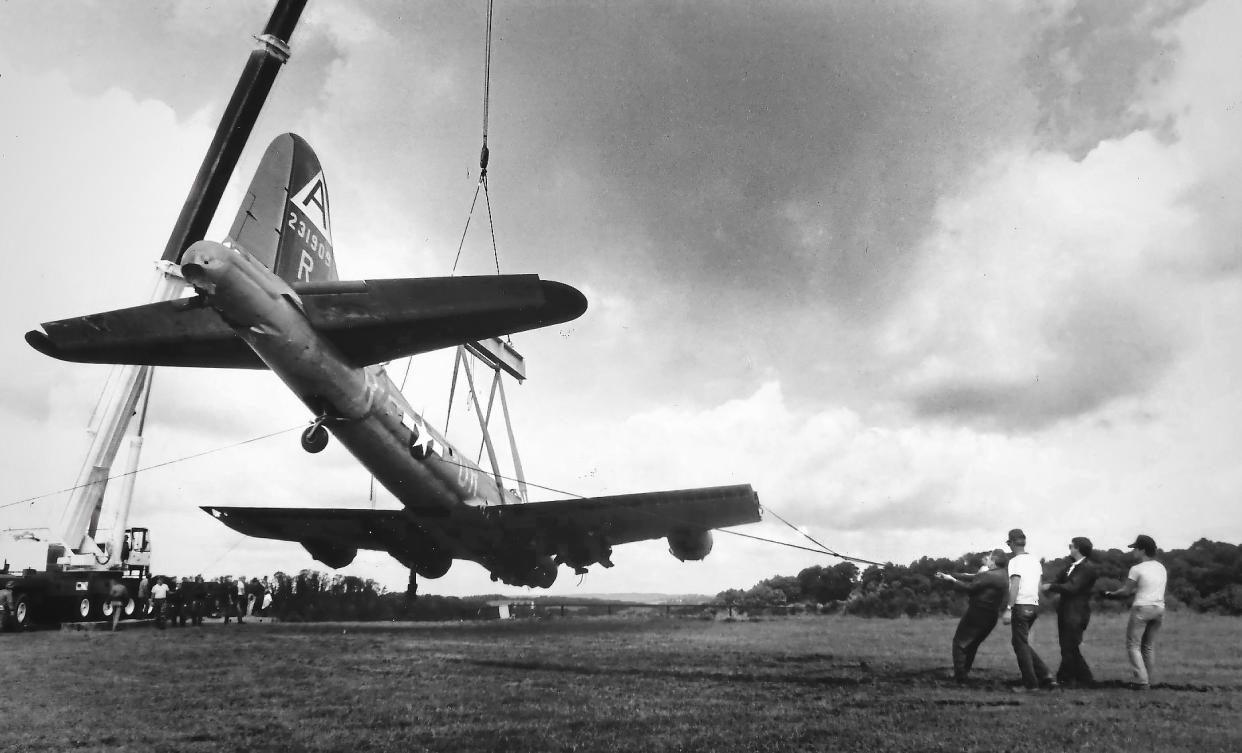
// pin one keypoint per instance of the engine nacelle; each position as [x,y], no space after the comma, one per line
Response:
[583,552]
[686,544]
[539,573]
[432,564]
[544,573]
[330,554]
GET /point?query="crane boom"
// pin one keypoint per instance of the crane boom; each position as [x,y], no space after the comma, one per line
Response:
[79,522]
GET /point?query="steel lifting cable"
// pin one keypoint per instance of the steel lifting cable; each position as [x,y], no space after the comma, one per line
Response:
[484,156]
[484,152]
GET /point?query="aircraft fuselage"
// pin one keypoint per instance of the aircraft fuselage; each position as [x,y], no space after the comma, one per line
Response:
[361,406]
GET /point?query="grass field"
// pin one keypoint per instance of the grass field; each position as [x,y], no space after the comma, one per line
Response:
[604,684]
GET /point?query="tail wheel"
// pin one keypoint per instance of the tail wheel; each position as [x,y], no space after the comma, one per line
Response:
[315,438]
[21,612]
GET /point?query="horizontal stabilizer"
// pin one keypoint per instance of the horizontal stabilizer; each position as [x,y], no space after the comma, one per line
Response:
[369,321]
[381,320]
[181,332]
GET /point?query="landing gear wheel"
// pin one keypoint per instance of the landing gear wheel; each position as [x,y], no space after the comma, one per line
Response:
[315,438]
[83,609]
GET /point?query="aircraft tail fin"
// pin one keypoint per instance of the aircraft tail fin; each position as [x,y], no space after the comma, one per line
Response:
[284,220]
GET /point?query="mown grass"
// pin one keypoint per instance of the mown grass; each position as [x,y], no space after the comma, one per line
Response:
[614,684]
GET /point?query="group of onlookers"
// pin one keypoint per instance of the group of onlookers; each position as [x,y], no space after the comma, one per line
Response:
[1008,587]
[189,600]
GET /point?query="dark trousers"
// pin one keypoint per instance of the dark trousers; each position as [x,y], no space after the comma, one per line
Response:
[234,608]
[1033,669]
[1073,669]
[972,631]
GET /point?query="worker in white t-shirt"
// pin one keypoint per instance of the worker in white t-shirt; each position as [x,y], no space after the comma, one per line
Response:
[159,601]
[1025,574]
[1147,581]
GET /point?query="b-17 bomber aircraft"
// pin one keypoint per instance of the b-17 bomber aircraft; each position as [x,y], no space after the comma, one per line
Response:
[269,297]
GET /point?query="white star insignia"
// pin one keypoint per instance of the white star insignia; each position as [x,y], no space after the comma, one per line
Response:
[425,442]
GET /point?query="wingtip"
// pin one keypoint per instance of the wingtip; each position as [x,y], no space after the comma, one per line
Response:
[568,302]
[42,343]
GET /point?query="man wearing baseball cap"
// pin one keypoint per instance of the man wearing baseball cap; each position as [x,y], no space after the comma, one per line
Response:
[1025,573]
[1147,581]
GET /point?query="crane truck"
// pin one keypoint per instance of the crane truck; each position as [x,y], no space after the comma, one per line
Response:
[64,571]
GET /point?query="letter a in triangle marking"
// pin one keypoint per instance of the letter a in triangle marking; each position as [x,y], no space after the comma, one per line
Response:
[313,201]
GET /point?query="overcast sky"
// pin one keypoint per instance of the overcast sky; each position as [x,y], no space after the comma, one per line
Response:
[919,272]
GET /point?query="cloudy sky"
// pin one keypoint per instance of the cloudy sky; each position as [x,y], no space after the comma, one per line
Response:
[919,272]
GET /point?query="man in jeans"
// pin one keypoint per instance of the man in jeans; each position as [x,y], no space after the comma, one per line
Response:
[1025,574]
[1147,581]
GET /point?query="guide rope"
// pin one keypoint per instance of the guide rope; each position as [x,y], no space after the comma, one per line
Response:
[820,548]
[136,471]
[818,544]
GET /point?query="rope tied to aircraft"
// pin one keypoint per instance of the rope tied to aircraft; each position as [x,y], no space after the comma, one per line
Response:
[821,548]
[818,549]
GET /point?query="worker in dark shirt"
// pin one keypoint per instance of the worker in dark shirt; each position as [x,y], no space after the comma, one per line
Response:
[198,600]
[7,605]
[118,595]
[988,590]
[1074,585]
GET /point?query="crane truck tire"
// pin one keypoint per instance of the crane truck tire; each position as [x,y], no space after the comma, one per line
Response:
[21,612]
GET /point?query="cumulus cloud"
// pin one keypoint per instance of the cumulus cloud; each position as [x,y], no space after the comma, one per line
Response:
[1035,295]
[1053,285]
[918,274]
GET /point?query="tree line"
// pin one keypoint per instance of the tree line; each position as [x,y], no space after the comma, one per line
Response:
[1206,577]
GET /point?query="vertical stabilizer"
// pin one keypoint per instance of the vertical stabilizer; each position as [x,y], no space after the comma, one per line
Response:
[284,220]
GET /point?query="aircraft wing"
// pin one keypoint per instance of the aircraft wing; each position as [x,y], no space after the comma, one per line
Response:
[553,527]
[625,518]
[369,321]
[341,528]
